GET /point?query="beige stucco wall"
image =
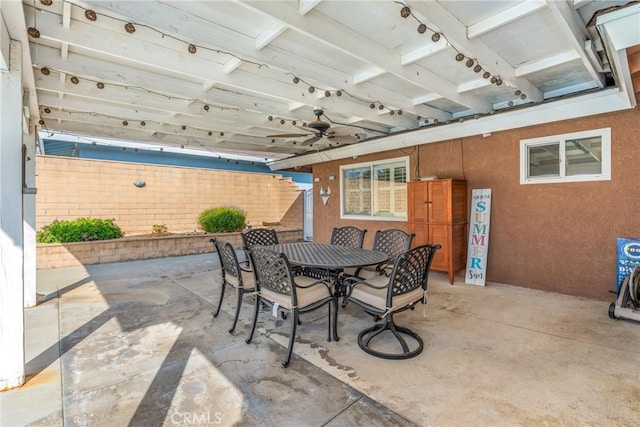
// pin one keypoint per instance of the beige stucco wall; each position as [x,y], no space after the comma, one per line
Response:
[556,237]
[70,188]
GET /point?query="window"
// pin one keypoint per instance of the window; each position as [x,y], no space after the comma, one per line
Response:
[571,157]
[376,190]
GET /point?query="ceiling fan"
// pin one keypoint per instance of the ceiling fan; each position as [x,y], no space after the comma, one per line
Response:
[318,129]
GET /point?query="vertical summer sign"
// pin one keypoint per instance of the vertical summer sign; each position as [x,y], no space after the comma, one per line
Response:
[478,237]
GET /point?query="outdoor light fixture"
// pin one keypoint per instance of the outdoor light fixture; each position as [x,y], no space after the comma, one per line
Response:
[139,184]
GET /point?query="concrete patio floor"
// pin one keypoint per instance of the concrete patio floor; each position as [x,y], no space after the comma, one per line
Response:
[135,344]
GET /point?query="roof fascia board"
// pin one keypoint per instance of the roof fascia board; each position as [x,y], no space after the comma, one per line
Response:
[600,102]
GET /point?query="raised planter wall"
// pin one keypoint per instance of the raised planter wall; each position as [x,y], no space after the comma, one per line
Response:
[50,255]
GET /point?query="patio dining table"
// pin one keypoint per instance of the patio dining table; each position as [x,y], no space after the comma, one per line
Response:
[326,256]
[322,260]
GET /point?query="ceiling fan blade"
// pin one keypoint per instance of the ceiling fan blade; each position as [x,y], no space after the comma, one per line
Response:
[343,130]
[288,135]
[311,140]
[342,139]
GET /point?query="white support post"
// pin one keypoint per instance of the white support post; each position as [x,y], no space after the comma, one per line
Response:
[29,215]
[12,360]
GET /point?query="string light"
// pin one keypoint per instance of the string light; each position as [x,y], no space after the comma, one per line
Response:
[101,85]
[406,12]
[131,27]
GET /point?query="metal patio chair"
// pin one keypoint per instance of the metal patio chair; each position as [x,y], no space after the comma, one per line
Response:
[392,242]
[234,276]
[383,297]
[277,285]
[257,237]
[348,236]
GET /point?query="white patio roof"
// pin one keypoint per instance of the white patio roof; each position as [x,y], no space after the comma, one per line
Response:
[228,75]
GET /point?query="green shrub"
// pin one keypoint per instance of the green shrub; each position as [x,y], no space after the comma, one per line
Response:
[222,219]
[78,230]
[159,229]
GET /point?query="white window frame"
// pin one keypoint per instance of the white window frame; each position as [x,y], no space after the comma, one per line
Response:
[605,175]
[371,217]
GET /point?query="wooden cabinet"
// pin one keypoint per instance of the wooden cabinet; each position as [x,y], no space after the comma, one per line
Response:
[437,214]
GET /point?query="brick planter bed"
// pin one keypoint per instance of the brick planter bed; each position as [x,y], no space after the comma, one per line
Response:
[54,255]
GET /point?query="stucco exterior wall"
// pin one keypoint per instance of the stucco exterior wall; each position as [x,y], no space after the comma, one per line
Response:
[555,237]
[69,188]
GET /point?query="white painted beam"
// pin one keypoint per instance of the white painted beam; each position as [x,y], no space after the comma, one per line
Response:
[371,73]
[457,35]
[12,359]
[574,29]
[13,13]
[505,17]
[545,63]
[198,27]
[423,52]
[424,99]
[164,59]
[307,6]
[328,32]
[231,65]
[473,85]
[269,34]
[91,130]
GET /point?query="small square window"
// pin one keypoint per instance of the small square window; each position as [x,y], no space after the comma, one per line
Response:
[580,156]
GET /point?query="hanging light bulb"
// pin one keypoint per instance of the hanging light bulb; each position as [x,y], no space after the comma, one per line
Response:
[90,15]
[33,32]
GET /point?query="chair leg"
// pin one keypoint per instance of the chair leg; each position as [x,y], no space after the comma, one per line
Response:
[292,338]
[335,319]
[220,300]
[255,318]
[395,331]
[238,304]
[365,337]
[330,320]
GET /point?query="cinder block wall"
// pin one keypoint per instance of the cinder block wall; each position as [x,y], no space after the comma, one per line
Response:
[70,188]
